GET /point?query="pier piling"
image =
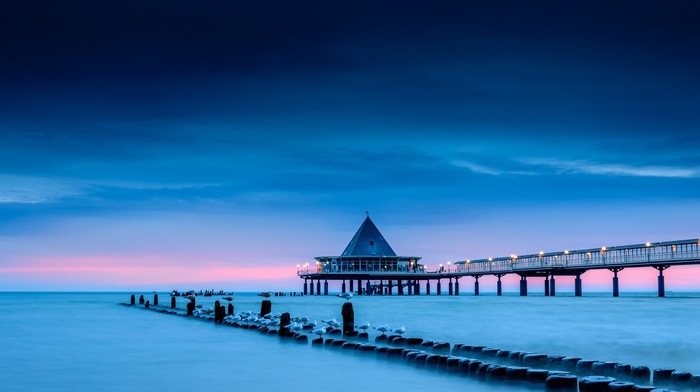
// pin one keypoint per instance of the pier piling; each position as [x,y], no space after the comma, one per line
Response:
[133,299]
[523,286]
[578,289]
[141,300]
[172,302]
[155,299]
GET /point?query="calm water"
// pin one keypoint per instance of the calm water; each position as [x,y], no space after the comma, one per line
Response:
[86,341]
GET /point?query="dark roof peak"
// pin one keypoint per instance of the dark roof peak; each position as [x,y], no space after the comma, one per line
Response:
[368,241]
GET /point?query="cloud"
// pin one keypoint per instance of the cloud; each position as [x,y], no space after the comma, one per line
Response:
[547,166]
[613,169]
[34,190]
[38,190]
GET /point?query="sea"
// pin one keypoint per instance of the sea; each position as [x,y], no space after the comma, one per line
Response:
[88,341]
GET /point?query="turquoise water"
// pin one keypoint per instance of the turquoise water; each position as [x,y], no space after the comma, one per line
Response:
[86,341]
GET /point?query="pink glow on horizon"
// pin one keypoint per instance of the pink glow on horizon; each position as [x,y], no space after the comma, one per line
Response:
[162,270]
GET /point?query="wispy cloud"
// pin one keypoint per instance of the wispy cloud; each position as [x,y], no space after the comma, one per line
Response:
[34,190]
[548,166]
[37,190]
[561,166]
[492,169]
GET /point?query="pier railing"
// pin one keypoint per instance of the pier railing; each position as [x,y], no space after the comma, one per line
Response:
[673,252]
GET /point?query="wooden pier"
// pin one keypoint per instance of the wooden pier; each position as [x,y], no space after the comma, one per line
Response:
[379,273]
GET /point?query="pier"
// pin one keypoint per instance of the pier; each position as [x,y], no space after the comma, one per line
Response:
[370,262]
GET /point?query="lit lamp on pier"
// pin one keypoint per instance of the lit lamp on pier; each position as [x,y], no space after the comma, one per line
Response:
[297,269]
[440,270]
[448,266]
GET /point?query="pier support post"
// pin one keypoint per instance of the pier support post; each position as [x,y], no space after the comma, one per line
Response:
[578,286]
[457,286]
[439,288]
[368,288]
[546,286]
[172,302]
[391,287]
[409,287]
[155,299]
[499,285]
[348,318]
[306,287]
[616,281]
[312,287]
[449,288]
[381,287]
[343,287]
[416,288]
[325,287]
[552,287]
[476,284]
[352,286]
[318,287]
[141,300]
[523,286]
[133,299]
[399,284]
[359,287]
[662,286]
[427,287]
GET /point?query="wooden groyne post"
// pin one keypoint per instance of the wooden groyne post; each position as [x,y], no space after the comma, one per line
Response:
[348,318]
[265,307]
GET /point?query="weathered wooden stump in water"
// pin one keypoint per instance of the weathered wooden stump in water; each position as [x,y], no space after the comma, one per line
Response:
[641,375]
[594,384]
[230,309]
[172,302]
[148,304]
[682,380]
[190,308]
[535,360]
[584,366]
[348,317]
[285,320]
[133,299]
[644,388]
[623,371]
[601,368]
[620,386]
[301,339]
[561,383]
[537,376]
[155,299]
[218,312]
[569,363]
[516,373]
[141,300]
[662,377]
[265,307]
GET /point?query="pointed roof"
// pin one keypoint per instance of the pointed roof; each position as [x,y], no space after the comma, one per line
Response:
[368,241]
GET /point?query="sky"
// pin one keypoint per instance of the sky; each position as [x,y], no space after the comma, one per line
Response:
[161,145]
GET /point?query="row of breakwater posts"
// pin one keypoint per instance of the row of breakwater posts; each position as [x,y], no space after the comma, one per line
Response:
[487,364]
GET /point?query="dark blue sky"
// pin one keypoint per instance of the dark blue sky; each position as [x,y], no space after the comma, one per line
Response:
[210,129]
